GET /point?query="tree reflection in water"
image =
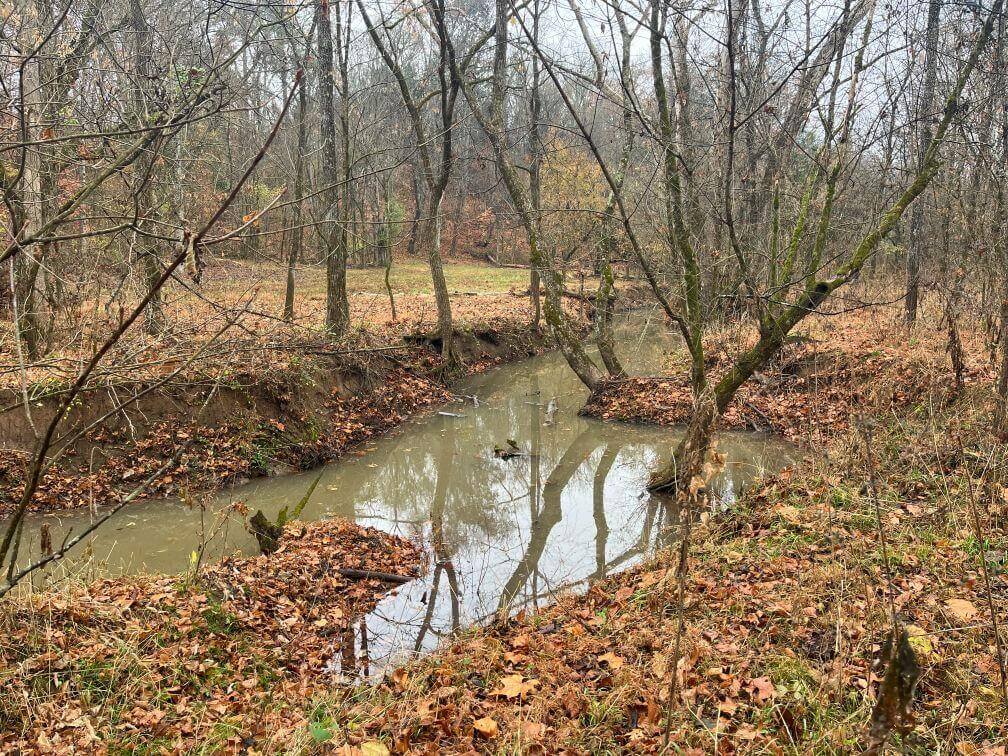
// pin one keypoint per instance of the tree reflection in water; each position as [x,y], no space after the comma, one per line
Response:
[501,534]
[509,534]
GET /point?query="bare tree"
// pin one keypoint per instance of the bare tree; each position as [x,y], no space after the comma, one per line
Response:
[436,171]
[924,120]
[333,191]
[780,294]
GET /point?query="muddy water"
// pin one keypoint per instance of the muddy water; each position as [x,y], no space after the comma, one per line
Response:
[501,533]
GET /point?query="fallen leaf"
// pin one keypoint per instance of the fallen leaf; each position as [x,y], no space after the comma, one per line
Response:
[762,689]
[961,609]
[573,704]
[534,730]
[747,732]
[486,727]
[514,686]
[728,707]
[614,661]
[425,711]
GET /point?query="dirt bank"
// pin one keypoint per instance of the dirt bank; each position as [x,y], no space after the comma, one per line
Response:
[307,406]
[836,368]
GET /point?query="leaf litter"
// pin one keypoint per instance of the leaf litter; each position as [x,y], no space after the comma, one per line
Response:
[229,656]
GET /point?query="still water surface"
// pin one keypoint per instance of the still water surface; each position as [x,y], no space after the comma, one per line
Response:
[501,534]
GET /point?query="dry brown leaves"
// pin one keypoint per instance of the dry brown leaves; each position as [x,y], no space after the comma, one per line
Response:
[231,657]
[849,364]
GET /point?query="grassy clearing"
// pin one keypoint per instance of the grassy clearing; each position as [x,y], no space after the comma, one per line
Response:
[413,277]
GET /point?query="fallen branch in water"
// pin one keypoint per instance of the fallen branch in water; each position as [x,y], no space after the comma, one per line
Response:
[385,577]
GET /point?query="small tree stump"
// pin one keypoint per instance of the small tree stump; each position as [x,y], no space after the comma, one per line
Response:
[266,533]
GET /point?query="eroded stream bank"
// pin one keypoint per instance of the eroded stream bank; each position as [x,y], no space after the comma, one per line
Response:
[500,534]
[307,404]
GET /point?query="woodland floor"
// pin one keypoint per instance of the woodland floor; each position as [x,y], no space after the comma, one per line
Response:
[786,616]
[787,605]
[837,368]
[218,659]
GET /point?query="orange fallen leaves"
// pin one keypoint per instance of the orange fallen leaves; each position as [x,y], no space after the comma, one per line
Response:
[961,609]
[486,727]
[613,661]
[514,686]
[761,689]
[244,640]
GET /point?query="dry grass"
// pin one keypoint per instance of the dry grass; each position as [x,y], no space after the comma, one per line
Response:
[247,299]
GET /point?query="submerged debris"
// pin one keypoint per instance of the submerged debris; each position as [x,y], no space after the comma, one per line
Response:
[510,452]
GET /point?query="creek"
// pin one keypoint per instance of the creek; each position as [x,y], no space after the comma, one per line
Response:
[501,534]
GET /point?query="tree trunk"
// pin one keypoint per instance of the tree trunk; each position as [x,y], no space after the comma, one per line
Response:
[150,266]
[414,226]
[456,222]
[536,162]
[37,209]
[685,469]
[432,240]
[299,177]
[390,234]
[566,339]
[603,321]
[334,231]
[925,115]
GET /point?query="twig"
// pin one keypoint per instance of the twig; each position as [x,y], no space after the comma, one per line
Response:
[866,433]
[385,577]
[978,535]
[685,518]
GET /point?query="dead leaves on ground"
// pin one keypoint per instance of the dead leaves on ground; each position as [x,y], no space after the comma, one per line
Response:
[961,609]
[515,687]
[167,660]
[809,390]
